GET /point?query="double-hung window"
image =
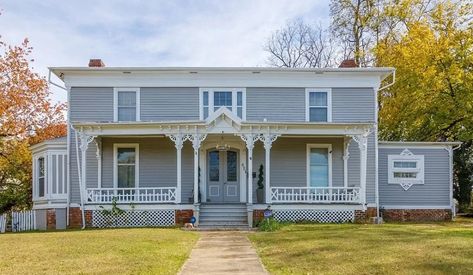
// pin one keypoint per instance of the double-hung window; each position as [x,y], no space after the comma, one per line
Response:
[126,165]
[318,105]
[41,177]
[406,169]
[319,162]
[127,104]
[213,99]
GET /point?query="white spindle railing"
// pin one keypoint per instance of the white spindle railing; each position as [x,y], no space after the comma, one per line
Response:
[315,194]
[132,195]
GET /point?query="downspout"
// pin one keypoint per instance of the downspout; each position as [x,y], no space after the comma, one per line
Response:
[376,158]
[68,157]
[452,204]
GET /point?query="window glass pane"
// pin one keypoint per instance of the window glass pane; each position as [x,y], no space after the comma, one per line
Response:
[231,166]
[126,176]
[126,155]
[405,164]
[127,99]
[206,112]
[409,175]
[318,167]
[41,167]
[126,113]
[239,98]
[240,112]
[318,99]
[318,114]
[206,99]
[222,99]
[214,166]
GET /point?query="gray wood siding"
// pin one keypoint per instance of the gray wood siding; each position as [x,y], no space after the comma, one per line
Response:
[353,105]
[159,104]
[436,188]
[275,104]
[289,161]
[91,104]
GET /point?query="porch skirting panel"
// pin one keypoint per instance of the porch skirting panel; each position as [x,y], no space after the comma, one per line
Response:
[133,218]
[312,215]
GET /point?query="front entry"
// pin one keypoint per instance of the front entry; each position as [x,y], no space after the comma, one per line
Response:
[222,174]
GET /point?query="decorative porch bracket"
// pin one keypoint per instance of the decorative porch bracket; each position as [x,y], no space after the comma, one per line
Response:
[268,140]
[362,140]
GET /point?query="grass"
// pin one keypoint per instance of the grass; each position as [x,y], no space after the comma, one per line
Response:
[114,251]
[438,248]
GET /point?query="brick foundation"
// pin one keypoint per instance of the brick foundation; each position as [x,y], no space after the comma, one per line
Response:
[183,216]
[75,218]
[258,215]
[51,219]
[416,215]
[365,216]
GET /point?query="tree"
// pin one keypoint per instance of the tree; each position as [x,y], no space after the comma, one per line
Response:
[432,98]
[299,45]
[26,116]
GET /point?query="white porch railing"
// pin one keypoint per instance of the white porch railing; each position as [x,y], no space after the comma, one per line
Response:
[315,195]
[132,195]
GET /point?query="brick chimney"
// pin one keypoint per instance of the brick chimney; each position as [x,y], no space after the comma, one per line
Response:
[96,63]
[348,63]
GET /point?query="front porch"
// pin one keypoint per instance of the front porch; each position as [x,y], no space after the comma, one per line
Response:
[219,161]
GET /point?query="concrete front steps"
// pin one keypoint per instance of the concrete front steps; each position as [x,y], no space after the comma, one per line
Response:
[223,217]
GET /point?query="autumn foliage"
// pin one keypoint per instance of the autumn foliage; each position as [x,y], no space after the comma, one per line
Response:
[27,116]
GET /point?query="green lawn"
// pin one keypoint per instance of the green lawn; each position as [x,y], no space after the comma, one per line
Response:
[441,248]
[117,251]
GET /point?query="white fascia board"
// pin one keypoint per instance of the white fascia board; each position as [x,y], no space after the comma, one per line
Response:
[416,144]
[127,206]
[225,79]
[117,129]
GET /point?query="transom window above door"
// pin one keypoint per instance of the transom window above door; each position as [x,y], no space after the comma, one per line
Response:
[212,99]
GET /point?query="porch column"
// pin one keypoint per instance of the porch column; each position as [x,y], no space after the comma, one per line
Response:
[196,141]
[98,155]
[362,140]
[346,156]
[250,139]
[85,140]
[268,140]
[178,142]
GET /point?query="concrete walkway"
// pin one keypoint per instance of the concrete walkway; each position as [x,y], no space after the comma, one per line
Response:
[223,252]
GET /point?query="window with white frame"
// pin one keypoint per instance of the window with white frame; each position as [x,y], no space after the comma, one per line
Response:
[319,163]
[406,169]
[41,180]
[212,99]
[127,104]
[126,165]
[318,105]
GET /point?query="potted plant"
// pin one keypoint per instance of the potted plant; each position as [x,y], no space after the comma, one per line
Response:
[260,189]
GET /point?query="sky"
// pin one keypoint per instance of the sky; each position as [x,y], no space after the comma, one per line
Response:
[150,33]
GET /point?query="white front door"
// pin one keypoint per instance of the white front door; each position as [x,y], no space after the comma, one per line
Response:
[223,176]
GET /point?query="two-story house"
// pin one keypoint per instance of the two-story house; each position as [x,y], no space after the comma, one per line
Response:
[223,144]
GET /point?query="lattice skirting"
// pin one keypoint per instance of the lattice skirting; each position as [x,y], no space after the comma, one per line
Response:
[322,216]
[134,218]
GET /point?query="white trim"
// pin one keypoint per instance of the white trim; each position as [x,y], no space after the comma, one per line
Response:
[303,206]
[136,146]
[127,206]
[329,102]
[211,92]
[416,144]
[407,207]
[406,156]
[115,101]
[329,151]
